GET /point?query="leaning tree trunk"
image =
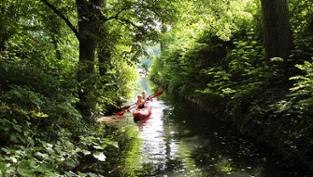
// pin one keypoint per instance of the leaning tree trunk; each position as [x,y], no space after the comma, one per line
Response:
[277,33]
[88,30]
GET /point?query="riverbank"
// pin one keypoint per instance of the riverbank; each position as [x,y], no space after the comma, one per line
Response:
[268,135]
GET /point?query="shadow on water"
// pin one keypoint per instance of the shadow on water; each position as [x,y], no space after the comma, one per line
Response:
[180,142]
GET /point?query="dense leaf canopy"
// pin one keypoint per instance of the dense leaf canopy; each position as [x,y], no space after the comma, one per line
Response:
[65,63]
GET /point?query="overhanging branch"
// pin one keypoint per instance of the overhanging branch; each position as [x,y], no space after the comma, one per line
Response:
[128,22]
[66,20]
[116,15]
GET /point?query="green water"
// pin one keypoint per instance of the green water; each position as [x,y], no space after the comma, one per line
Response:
[178,141]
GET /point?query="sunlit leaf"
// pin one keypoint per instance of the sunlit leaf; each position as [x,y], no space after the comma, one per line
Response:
[100,156]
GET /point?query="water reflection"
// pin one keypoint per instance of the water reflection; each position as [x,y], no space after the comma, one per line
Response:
[180,142]
[154,136]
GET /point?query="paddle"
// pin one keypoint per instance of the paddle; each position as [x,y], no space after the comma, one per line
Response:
[126,108]
[158,93]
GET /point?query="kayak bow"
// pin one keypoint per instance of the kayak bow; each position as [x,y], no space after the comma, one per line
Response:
[142,113]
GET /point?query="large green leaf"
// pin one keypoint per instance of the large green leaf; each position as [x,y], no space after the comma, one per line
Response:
[27,168]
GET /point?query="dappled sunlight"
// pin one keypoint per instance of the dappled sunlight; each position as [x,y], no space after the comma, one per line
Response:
[152,133]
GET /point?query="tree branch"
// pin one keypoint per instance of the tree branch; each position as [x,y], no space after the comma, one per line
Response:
[116,15]
[128,22]
[66,20]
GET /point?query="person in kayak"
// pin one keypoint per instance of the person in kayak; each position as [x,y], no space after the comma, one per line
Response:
[140,102]
[143,93]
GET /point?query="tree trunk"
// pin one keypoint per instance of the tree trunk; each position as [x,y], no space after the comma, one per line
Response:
[276,27]
[88,30]
[277,41]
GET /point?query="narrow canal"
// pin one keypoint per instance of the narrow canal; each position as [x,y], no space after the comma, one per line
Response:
[178,141]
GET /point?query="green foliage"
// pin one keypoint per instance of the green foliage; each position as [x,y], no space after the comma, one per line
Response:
[196,43]
[64,156]
[214,55]
[302,90]
[116,85]
[299,101]
[210,50]
[32,99]
[42,132]
[301,13]
[302,23]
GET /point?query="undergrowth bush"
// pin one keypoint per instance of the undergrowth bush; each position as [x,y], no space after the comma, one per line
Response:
[42,132]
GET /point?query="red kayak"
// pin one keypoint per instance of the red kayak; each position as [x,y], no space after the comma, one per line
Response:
[142,113]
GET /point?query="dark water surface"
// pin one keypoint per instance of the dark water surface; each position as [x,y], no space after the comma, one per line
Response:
[178,141]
